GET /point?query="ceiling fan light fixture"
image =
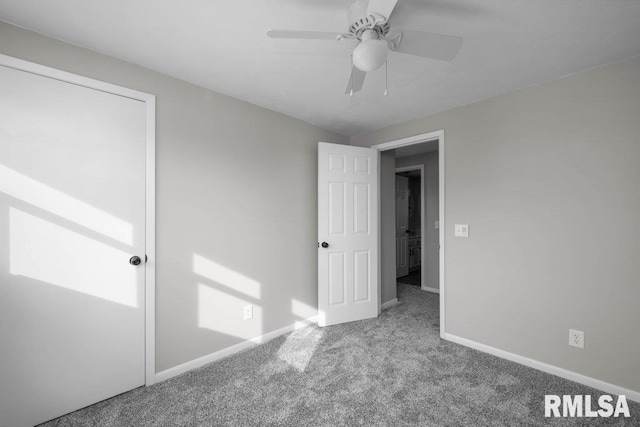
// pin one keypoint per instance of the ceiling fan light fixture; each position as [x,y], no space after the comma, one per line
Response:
[368,24]
[370,55]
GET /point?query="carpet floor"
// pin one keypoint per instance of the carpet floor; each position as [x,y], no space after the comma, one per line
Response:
[391,371]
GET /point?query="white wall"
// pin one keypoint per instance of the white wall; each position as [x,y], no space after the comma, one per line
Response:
[548,178]
[432,190]
[236,191]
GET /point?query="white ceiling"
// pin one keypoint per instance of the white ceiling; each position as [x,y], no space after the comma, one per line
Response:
[222,45]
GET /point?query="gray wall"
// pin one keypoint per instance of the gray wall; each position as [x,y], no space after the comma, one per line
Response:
[388,225]
[548,178]
[432,213]
[236,185]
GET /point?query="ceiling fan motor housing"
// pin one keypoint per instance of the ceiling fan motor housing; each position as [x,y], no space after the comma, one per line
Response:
[359,22]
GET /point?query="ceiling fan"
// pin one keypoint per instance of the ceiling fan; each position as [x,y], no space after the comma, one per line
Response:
[368,24]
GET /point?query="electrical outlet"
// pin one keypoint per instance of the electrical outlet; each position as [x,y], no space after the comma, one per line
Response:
[576,338]
[248,312]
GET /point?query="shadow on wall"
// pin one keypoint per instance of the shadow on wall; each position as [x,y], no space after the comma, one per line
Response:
[222,290]
[66,291]
[56,239]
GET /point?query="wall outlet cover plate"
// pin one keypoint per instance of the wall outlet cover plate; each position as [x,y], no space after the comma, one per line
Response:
[576,338]
[248,312]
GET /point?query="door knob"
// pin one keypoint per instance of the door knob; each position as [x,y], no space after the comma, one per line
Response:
[135,260]
[325,245]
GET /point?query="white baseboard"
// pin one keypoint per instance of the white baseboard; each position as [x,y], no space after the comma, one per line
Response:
[388,304]
[434,290]
[545,367]
[204,360]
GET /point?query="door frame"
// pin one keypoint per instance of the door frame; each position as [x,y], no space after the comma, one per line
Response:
[412,140]
[423,232]
[150,186]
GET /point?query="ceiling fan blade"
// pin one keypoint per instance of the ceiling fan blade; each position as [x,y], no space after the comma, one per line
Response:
[356,80]
[305,35]
[382,7]
[429,45]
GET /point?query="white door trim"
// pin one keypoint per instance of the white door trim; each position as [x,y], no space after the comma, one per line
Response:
[417,139]
[423,232]
[150,184]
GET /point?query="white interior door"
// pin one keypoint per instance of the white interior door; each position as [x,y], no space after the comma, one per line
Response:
[72,213]
[402,226]
[347,233]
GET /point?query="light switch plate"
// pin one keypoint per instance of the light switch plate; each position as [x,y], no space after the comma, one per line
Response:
[437,225]
[461,230]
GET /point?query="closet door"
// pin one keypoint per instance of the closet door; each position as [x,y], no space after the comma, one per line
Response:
[72,221]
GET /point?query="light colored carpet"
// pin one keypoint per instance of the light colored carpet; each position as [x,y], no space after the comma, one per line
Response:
[391,371]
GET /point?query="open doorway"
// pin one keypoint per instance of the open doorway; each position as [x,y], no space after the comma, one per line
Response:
[422,248]
[409,211]
[418,215]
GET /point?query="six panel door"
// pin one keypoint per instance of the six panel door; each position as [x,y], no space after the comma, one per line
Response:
[347,233]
